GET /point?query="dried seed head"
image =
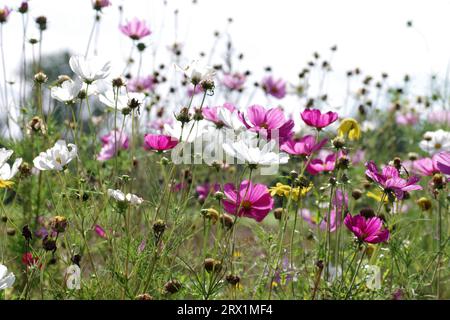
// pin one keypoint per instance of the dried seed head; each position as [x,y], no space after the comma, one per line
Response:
[26,233]
[212,265]
[357,194]
[144,296]
[278,213]
[424,204]
[40,77]
[227,220]
[172,286]
[58,224]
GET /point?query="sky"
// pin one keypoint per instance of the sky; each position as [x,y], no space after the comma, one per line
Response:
[370,34]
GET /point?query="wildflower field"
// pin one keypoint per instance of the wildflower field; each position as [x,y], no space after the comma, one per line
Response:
[192,177]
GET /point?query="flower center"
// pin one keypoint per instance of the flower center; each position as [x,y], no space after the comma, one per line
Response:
[58,159]
[264,125]
[438,146]
[246,204]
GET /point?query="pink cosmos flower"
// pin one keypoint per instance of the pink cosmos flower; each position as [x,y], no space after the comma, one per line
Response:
[159,142]
[358,157]
[304,146]
[267,122]
[324,163]
[192,91]
[143,84]
[100,231]
[314,118]
[323,225]
[212,113]
[407,119]
[423,167]
[234,81]
[135,29]
[251,201]
[439,117]
[158,124]
[369,230]
[110,149]
[4,13]
[205,189]
[443,162]
[390,180]
[100,4]
[275,88]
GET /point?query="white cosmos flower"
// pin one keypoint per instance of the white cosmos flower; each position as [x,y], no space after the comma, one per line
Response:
[247,151]
[68,90]
[191,130]
[7,172]
[230,119]
[435,141]
[6,279]
[89,69]
[116,194]
[121,197]
[56,157]
[198,72]
[134,199]
[108,99]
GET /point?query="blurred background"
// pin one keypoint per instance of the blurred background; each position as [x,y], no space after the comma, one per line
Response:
[402,37]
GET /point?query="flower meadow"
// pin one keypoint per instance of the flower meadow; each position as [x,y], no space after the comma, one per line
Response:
[194,178]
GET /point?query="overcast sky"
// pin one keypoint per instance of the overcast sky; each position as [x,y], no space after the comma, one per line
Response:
[370,34]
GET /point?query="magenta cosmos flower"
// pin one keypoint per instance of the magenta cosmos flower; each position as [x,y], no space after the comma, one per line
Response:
[443,162]
[424,166]
[212,113]
[203,190]
[100,4]
[159,142]
[100,231]
[143,84]
[109,148]
[251,201]
[324,163]
[268,122]
[234,81]
[304,146]
[135,29]
[4,14]
[390,180]
[275,88]
[369,230]
[314,118]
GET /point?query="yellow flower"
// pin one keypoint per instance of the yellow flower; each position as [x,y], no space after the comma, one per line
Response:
[279,190]
[5,184]
[377,196]
[283,190]
[351,128]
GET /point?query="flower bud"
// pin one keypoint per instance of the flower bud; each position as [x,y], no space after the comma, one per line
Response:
[172,286]
[118,82]
[11,231]
[144,296]
[233,279]
[357,194]
[159,227]
[367,212]
[210,214]
[183,116]
[40,77]
[58,224]
[219,195]
[438,181]
[198,114]
[424,204]
[141,46]
[226,220]
[49,244]
[26,233]
[212,265]
[41,21]
[23,7]
[278,213]
[338,142]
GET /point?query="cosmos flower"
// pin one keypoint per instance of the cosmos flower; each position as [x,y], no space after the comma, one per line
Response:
[203,190]
[67,91]
[110,148]
[275,88]
[439,117]
[143,84]
[6,278]
[350,127]
[7,172]
[389,179]
[109,99]
[283,190]
[304,146]
[442,160]
[268,123]
[159,142]
[369,230]
[56,157]
[212,113]
[314,118]
[314,221]
[89,69]
[119,196]
[191,130]
[100,231]
[72,276]
[251,200]
[248,152]
[135,29]
[324,163]
[407,119]
[435,141]
[197,72]
[234,81]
